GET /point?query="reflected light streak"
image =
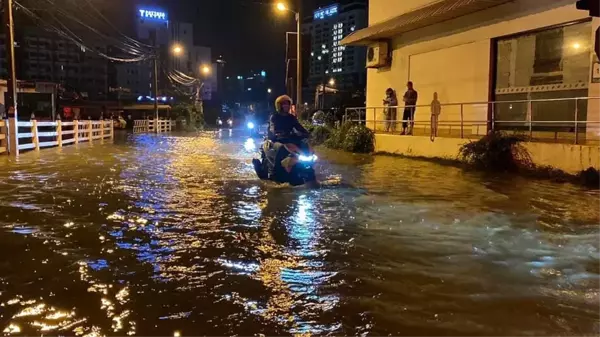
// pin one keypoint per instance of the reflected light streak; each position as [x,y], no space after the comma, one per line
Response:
[249,145]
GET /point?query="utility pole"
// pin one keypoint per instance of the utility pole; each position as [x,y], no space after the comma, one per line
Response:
[11,93]
[299,59]
[155,79]
[155,85]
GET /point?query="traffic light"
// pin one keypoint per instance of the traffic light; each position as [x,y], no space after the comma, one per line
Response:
[593,6]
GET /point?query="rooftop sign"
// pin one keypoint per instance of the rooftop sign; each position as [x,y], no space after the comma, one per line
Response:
[326,12]
[152,14]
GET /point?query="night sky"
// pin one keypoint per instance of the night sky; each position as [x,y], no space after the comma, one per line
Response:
[249,34]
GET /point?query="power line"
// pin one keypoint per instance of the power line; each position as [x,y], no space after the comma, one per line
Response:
[128,48]
[76,39]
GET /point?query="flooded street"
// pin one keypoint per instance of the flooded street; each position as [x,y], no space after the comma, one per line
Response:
[167,235]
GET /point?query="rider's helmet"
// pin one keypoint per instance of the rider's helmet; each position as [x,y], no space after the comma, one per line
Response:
[281,99]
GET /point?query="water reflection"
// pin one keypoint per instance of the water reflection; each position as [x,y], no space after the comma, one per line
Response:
[174,235]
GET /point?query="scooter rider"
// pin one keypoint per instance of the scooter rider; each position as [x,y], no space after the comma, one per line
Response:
[284,128]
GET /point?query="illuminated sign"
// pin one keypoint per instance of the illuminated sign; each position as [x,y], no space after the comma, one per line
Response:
[326,12]
[152,14]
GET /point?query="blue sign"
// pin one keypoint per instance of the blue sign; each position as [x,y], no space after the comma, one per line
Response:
[263,73]
[152,14]
[326,12]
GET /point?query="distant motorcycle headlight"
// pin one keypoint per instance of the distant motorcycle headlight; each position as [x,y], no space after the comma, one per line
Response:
[250,125]
[220,123]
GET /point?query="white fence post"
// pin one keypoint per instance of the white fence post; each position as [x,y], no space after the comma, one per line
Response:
[90,131]
[102,130]
[3,137]
[13,136]
[34,134]
[59,136]
[112,129]
[76,131]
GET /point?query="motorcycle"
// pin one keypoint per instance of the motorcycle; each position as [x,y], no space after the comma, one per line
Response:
[219,122]
[293,162]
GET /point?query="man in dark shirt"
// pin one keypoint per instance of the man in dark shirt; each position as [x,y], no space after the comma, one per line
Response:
[410,102]
[284,126]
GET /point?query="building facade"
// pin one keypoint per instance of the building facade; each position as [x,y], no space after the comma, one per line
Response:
[330,63]
[42,56]
[135,79]
[483,51]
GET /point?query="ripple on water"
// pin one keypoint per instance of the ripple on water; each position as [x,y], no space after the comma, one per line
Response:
[173,235]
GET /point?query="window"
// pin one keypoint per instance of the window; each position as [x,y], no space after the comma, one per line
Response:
[548,51]
[550,63]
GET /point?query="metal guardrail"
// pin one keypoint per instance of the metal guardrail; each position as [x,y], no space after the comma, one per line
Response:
[463,120]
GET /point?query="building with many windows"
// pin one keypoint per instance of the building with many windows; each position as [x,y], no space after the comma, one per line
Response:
[331,62]
[135,79]
[45,57]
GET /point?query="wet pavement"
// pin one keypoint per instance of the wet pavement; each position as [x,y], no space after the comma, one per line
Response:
[174,235]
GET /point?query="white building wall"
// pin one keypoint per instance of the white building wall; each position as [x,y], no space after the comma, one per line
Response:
[454,57]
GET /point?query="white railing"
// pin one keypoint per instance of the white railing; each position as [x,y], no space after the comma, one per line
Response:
[141,125]
[153,125]
[532,118]
[35,135]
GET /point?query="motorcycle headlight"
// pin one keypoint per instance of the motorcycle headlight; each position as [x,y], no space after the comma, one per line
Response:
[220,123]
[250,125]
[307,159]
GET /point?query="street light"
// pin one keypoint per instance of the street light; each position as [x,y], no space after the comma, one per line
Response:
[269,90]
[332,82]
[282,8]
[205,70]
[177,49]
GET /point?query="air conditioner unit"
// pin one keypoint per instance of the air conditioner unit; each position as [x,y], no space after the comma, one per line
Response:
[377,55]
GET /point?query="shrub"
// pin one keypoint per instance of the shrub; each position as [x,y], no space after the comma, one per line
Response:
[337,136]
[320,134]
[353,138]
[307,125]
[359,139]
[497,151]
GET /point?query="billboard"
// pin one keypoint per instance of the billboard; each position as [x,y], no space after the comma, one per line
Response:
[326,12]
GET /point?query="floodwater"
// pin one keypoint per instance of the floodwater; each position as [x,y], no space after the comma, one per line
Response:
[174,235]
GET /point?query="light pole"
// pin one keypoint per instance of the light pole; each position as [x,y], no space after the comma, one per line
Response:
[282,7]
[11,84]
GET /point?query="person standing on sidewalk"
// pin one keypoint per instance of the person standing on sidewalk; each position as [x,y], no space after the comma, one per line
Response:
[410,102]
[390,102]
[436,110]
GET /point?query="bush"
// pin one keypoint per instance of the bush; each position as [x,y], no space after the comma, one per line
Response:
[497,151]
[307,125]
[359,139]
[320,134]
[352,137]
[337,136]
